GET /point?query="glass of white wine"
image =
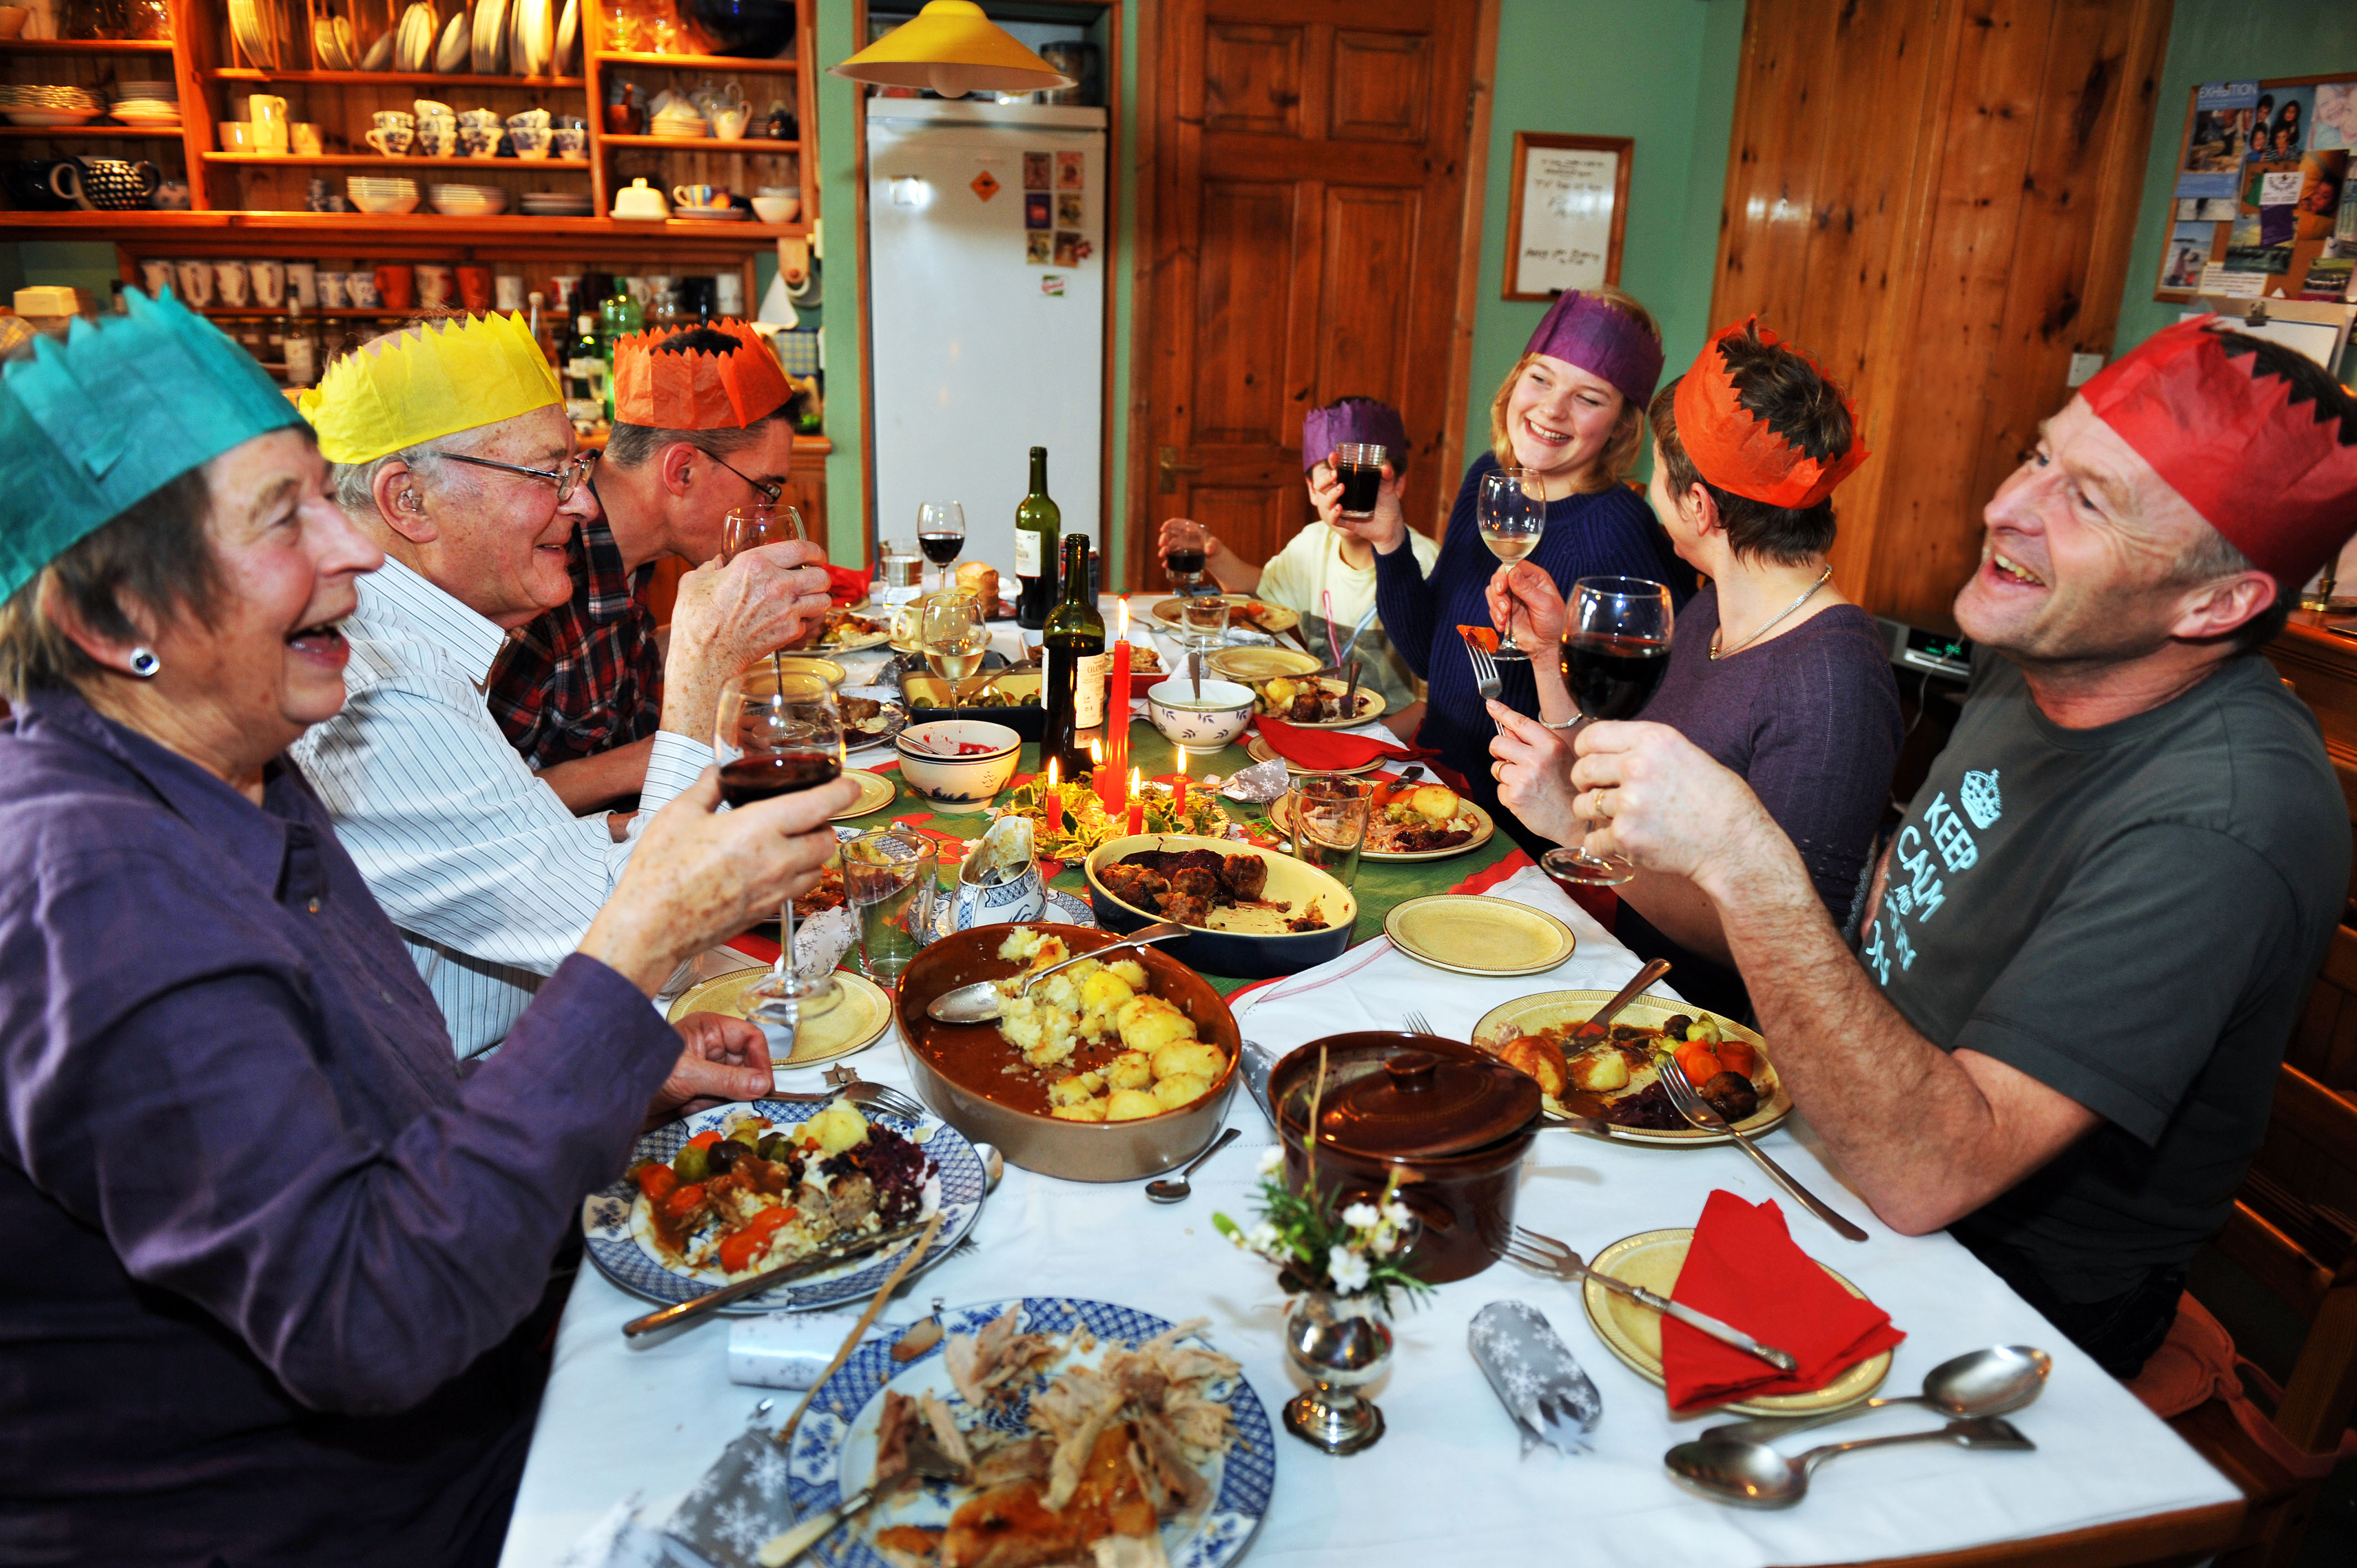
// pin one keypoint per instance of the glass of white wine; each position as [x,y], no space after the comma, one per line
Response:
[1511,515]
[954,638]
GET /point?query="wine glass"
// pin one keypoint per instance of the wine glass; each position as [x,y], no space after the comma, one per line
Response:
[1616,649]
[1511,517]
[954,638]
[750,527]
[1185,555]
[777,732]
[940,534]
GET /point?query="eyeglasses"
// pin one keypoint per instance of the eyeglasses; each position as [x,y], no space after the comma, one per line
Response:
[567,479]
[768,492]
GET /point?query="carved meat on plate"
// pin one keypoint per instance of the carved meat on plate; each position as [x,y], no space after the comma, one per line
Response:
[1186,885]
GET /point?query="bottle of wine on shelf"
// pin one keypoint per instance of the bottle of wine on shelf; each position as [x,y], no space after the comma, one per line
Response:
[1075,633]
[585,364]
[619,316]
[1038,523]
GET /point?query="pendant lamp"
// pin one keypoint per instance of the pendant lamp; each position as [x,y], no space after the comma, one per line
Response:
[953,49]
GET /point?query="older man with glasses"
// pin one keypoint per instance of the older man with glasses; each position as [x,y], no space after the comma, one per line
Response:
[704,425]
[451,452]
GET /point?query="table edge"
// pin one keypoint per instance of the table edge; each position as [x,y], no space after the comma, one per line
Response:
[2186,1534]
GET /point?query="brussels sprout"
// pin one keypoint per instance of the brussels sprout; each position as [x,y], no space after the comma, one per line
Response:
[776,1148]
[748,1134]
[691,1164]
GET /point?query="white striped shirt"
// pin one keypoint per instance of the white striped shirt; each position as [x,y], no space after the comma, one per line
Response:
[490,879]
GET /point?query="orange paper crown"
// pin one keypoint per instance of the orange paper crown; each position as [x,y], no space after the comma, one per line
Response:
[2273,476]
[1733,449]
[698,390]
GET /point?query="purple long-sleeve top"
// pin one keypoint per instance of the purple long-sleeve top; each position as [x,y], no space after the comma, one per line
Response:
[263,1246]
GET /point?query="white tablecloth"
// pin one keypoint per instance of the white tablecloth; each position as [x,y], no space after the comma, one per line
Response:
[1446,1484]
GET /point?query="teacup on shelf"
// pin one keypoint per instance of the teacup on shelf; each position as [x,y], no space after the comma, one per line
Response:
[568,141]
[532,143]
[479,141]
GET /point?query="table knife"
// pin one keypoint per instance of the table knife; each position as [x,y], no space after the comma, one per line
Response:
[1725,1333]
[727,1296]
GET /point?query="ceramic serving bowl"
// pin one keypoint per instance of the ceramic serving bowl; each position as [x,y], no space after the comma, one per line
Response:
[1236,954]
[931,764]
[958,1067]
[1204,723]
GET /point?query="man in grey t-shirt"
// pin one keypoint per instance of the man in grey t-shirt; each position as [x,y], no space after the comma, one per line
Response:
[2060,1031]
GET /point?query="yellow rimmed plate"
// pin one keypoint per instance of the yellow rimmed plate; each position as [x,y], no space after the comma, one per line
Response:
[1554,1009]
[1275,617]
[826,669]
[1280,816]
[856,641]
[854,1024]
[1374,705]
[1260,750]
[876,793]
[1633,1332]
[1470,934]
[1251,666]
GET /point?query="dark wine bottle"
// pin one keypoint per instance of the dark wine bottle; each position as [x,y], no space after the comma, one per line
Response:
[1038,525]
[1075,633]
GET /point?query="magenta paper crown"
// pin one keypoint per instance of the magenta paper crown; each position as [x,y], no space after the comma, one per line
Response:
[1602,340]
[1360,421]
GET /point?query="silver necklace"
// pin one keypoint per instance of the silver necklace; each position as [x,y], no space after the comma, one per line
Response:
[1717,653]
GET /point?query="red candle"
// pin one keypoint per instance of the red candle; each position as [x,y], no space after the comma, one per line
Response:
[1117,701]
[1107,779]
[1136,805]
[1054,802]
[1179,785]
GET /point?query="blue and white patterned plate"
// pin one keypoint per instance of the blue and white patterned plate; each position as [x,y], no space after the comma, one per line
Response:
[956,1188]
[834,1447]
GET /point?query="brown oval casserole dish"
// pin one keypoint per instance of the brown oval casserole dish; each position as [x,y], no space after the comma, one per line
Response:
[961,1069]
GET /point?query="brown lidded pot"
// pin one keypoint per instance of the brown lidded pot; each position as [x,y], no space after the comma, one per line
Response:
[1454,1121]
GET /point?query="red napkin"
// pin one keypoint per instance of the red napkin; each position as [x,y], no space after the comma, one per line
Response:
[1324,750]
[1743,1269]
[846,587]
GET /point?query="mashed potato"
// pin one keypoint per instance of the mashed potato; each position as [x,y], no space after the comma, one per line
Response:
[1133,1105]
[1163,1066]
[838,1127]
[1130,1070]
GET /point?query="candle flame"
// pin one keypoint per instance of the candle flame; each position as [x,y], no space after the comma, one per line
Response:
[1182,761]
[1133,781]
[1096,751]
[1125,619]
[1052,771]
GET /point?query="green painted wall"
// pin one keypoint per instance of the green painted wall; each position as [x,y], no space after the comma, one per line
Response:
[2221,40]
[1662,72]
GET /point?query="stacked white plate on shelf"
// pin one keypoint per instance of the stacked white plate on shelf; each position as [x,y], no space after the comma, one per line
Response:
[414,49]
[146,105]
[469,200]
[380,53]
[532,49]
[331,42]
[26,104]
[380,194]
[255,36]
[490,37]
[455,53]
[568,33]
[558,204]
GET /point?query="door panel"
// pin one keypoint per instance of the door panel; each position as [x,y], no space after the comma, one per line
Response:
[1309,166]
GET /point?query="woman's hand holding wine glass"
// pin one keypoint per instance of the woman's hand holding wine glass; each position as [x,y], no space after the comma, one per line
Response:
[1512,514]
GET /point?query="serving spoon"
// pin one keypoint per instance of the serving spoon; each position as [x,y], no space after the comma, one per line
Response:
[1164,1191]
[983,1001]
[1754,1476]
[1995,1381]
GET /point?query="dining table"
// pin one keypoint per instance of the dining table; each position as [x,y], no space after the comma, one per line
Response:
[627,1426]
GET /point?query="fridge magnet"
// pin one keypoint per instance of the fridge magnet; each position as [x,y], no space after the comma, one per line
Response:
[1036,213]
[1068,248]
[1052,285]
[985,184]
[1069,208]
[1070,171]
[2187,252]
[1036,246]
[1036,176]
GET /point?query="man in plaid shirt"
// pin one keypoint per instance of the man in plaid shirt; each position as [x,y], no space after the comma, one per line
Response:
[703,424]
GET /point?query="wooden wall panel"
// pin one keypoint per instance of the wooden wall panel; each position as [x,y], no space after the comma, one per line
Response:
[1936,198]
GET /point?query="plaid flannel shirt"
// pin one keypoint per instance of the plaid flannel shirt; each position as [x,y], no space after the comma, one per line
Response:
[586,676]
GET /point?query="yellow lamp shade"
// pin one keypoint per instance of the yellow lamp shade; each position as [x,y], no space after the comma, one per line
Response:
[953,49]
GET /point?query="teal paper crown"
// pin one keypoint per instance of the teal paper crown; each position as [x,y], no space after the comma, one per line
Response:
[126,405]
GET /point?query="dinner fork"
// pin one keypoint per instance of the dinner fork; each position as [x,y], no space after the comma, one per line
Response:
[1417,1024]
[1485,672]
[870,1096]
[1545,1255]
[1704,1115]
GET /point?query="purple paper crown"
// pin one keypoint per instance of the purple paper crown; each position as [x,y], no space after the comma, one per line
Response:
[1360,421]
[1602,340]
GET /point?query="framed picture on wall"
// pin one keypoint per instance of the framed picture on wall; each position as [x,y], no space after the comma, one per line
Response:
[1566,209]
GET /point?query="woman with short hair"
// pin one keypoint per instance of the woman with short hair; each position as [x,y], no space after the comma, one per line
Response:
[272,1255]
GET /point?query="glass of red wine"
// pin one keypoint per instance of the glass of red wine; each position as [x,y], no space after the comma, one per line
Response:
[750,527]
[778,732]
[940,534]
[1616,647]
[1185,551]
[1358,469]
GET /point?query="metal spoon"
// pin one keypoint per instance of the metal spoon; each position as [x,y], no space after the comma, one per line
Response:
[1995,1381]
[1256,1061]
[994,1167]
[1754,1476]
[1165,1191]
[982,1001]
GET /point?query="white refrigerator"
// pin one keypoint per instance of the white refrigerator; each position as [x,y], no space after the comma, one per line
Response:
[986,303]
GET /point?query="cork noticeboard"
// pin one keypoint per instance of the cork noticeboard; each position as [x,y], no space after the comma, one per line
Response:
[2264,201]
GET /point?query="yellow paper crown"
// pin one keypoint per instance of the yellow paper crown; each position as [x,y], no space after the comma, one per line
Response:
[425,382]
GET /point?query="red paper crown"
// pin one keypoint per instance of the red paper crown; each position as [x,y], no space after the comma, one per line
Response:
[696,390]
[1733,449]
[2272,475]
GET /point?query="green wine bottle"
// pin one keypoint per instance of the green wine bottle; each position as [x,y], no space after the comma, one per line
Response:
[1075,637]
[1038,523]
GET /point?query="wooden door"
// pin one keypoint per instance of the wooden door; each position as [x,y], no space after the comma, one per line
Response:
[1937,199]
[1309,173]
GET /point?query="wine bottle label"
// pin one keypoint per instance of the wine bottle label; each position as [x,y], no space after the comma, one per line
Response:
[1089,678]
[1027,553]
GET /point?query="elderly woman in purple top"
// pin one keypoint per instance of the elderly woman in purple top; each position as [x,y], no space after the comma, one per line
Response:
[272,1258]
[1772,671]
[1572,413]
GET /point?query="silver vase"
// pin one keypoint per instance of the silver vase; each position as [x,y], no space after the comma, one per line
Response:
[1340,1344]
